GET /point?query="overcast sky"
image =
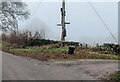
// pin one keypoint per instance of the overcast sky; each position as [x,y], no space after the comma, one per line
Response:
[85,24]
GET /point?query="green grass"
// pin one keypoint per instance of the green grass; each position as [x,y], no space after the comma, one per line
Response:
[0,45]
[105,56]
[116,76]
[58,51]
[38,50]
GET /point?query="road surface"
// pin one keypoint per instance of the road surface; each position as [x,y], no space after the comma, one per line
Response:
[22,68]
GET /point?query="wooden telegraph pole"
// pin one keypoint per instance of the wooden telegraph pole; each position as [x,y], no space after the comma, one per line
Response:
[63,23]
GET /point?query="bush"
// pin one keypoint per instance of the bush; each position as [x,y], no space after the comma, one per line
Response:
[115,76]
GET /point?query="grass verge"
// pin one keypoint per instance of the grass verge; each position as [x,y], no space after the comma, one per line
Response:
[60,54]
[38,50]
[115,76]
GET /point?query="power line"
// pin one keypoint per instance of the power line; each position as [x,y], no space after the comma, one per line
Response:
[35,10]
[102,21]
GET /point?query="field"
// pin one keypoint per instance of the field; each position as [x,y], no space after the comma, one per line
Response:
[47,52]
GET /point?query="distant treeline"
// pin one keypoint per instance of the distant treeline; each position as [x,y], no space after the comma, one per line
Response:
[113,47]
[40,42]
[26,39]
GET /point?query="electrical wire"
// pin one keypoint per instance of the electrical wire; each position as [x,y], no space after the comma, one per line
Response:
[102,21]
[35,11]
[37,8]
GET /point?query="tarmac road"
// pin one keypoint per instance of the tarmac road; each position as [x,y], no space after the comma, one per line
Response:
[22,68]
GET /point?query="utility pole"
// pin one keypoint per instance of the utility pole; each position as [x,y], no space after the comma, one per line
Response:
[119,26]
[63,23]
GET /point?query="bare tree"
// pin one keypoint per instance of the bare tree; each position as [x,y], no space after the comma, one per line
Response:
[10,13]
[36,35]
